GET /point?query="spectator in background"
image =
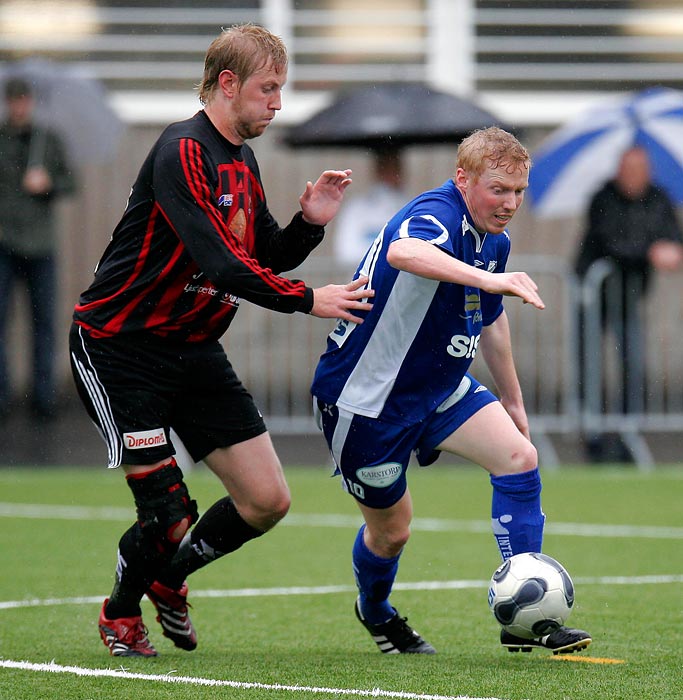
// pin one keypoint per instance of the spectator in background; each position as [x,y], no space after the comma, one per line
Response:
[631,223]
[361,219]
[34,174]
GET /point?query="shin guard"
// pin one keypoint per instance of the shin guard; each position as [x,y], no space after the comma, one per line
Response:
[165,512]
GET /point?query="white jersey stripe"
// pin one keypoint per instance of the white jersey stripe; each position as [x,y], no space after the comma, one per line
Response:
[369,384]
[340,432]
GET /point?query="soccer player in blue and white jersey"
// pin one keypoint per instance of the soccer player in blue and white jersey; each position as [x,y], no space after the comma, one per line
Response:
[399,383]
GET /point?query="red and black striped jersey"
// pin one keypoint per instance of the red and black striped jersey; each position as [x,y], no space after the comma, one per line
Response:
[195,238]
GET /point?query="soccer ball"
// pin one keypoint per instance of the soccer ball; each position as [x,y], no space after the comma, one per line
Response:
[531,595]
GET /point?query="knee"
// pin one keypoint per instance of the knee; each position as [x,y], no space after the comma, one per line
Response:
[278,506]
[387,542]
[523,458]
[178,530]
[398,539]
[267,509]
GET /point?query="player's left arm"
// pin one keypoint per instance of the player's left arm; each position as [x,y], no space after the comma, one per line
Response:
[321,200]
[283,249]
[496,348]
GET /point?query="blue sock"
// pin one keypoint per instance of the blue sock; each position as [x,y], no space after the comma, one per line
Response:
[374,578]
[516,515]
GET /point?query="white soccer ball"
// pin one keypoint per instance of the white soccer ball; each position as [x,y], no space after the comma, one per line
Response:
[531,595]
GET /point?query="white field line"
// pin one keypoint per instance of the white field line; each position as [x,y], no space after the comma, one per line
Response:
[328,590]
[212,682]
[90,513]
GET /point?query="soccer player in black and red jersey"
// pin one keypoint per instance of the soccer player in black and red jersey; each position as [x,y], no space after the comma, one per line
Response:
[195,238]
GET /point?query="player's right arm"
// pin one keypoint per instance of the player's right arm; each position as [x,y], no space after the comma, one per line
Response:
[337,300]
[425,259]
[184,181]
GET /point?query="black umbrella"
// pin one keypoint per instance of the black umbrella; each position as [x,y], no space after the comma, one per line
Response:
[391,114]
[71,103]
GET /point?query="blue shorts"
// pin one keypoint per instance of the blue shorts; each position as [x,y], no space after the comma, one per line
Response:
[372,455]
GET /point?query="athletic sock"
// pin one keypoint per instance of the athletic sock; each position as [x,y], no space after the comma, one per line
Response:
[374,577]
[218,532]
[147,547]
[135,564]
[516,515]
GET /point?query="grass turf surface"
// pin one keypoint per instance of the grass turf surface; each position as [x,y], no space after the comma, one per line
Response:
[279,612]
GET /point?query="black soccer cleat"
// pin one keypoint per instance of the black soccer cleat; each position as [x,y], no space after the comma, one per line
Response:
[395,636]
[564,640]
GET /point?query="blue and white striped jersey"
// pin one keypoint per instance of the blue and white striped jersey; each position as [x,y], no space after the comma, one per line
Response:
[420,337]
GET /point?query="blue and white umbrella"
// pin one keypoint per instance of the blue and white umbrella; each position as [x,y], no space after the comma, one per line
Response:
[576,159]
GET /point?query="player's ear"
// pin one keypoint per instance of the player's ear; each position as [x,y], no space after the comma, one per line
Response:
[228,82]
[461,179]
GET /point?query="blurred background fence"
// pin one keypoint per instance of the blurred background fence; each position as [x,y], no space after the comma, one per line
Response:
[532,63]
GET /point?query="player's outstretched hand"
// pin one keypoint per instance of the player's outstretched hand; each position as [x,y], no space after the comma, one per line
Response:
[516,284]
[337,300]
[320,202]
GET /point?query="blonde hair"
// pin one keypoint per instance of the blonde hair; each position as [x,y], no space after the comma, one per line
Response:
[243,49]
[492,147]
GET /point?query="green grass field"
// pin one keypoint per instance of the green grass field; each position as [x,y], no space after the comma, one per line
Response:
[275,619]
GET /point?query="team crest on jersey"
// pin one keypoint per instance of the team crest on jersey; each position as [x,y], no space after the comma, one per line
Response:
[490,267]
[225,200]
[238,224]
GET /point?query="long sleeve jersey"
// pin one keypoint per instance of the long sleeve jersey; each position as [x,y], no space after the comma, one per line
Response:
[196,237]
[420,337]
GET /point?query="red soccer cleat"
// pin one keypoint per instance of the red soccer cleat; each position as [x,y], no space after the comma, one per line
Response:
[125,636]
[173,617]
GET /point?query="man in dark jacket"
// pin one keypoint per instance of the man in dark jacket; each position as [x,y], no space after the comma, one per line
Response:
[34,174]
[633,225]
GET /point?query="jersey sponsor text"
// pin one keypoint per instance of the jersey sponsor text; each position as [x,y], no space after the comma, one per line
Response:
[463,346]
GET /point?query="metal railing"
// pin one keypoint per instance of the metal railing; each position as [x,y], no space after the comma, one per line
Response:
[275,355]
[631,369]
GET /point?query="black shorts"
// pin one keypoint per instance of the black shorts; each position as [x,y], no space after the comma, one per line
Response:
[136,389]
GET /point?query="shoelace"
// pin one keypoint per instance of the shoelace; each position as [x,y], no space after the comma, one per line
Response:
[401,632]
[136,633]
